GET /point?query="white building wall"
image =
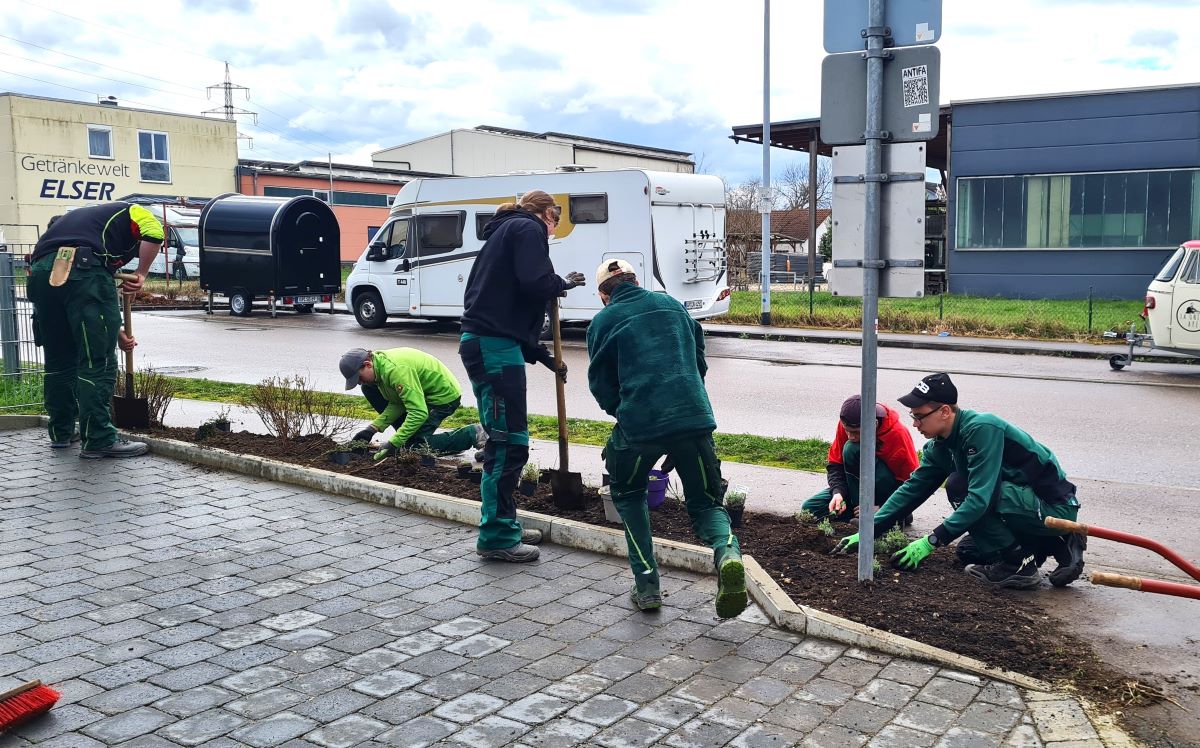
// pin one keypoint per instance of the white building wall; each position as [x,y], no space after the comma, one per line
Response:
[608,160]
[429,155]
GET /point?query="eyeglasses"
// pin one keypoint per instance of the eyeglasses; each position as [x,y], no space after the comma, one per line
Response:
[919,417]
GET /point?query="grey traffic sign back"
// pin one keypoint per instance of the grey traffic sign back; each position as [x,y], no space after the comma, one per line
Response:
[912,22]
[910,96]
[902,221]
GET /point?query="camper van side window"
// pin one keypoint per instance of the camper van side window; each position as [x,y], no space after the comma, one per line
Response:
[588,208]
[439,233]
[1191,273]
[481,221]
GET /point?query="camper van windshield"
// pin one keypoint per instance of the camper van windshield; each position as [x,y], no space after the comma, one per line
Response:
[1172,267]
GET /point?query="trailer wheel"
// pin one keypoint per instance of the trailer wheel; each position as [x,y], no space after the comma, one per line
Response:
[1117,362]
[303,308]
[240,304]
[369,310]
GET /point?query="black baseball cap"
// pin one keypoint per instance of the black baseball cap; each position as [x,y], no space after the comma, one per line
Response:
[851,414]
[935,388]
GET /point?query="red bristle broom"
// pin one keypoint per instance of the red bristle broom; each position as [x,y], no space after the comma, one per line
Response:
[23,702]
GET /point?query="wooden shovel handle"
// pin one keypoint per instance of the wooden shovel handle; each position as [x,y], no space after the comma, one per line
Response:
[560,387]
[127,306]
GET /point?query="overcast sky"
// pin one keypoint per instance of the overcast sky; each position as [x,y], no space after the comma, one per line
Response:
[356,76]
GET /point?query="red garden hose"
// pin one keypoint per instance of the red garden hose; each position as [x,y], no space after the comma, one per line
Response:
[1124,537]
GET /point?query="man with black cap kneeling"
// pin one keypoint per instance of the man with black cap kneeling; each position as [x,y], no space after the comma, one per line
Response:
[1001,483]
[896,458]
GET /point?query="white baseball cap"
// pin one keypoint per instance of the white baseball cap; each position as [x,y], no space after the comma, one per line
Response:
[611,268]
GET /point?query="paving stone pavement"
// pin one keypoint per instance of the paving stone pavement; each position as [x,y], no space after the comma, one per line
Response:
[180,606]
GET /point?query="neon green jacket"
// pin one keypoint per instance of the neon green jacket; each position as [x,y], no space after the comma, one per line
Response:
[409,379]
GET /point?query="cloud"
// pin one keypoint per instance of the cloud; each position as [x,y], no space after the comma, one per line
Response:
[1155,38]
[616,7]
[378,17]
[527,58]
[477,36]
[238,7]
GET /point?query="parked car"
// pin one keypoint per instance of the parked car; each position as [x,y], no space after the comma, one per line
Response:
[182,246]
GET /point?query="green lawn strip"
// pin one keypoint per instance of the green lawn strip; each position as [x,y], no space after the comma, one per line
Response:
[1056,319]
[795,454]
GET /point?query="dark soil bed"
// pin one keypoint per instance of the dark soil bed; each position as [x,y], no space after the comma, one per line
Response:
[938,605]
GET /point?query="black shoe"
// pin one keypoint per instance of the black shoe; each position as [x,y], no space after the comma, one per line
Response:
[1070,560]
[968,553]
[1023,575]
[907,521]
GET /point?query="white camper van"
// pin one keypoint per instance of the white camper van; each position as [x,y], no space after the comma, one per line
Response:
[182,246]
[670,227]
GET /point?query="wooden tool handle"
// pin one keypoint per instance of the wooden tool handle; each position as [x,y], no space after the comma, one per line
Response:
[560,387]
[127,304]
[1116,580]
[19,690]
[1055,523]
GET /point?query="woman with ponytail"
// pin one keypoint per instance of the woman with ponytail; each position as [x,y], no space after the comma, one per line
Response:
[504,306]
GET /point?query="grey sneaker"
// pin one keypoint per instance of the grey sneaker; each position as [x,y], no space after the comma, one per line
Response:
[66,443]
[530,536]
[646,599]
[518,554]
[119,448]
[481,436]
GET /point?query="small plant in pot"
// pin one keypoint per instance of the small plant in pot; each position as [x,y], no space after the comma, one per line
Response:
[463,470]
[217,424]
[342,454]
[530,474]
[427,455]
[735,504]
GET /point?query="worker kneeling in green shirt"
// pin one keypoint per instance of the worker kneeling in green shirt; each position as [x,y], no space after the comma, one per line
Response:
[1002,485]
[414,392]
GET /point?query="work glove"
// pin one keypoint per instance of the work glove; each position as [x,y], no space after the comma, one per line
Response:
[837,505]
[544,357]
[846,544]
[575,279]
[667,464]
[388,450]
[912,554]
[365,435]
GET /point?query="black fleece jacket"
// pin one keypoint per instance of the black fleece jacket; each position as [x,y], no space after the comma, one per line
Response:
[511,281]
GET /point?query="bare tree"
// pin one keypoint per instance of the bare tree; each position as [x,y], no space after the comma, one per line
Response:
[743,227]
[793,187]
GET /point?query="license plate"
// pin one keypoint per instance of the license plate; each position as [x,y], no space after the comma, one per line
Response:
[308,299]
[694,304]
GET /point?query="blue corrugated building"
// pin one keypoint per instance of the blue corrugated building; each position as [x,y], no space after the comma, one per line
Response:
[1058,195]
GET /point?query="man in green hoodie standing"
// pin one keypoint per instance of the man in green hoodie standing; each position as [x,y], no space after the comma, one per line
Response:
[412,391]
[647,370]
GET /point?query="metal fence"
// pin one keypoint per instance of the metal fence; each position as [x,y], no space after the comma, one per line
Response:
[20,359]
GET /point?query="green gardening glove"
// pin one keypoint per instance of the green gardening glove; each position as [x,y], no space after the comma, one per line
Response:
[388,450]
[846,544]
[912,554]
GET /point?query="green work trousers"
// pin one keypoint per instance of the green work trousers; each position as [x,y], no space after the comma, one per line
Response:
[496,368]
[1016,517]
[77,325]
[629,464]
[446,443]
[885,485]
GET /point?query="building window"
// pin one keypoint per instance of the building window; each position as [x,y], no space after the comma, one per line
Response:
[154,156]
[1144,209]
[588,208]
[99,141]
[270,191]
[358,199]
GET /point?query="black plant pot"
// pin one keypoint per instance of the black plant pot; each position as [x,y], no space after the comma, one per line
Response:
[528,487]
[360,451]
[464,470]
[475,476]
[735,515]
[428,461]
[340,458]
[224,426]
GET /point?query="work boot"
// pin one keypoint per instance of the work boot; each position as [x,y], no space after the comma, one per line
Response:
[731,586]
[1019,575]
[647,599]
[481,436]
[479,456]
[530,536]
[1070,560]
[518,554]
[66,443]
[119,448]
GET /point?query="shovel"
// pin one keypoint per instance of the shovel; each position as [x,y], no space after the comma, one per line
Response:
[129,412]
[566,487]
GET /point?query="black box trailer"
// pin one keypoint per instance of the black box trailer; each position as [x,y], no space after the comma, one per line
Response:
[276,248]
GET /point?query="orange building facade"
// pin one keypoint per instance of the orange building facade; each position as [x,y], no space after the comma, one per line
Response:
[361,195]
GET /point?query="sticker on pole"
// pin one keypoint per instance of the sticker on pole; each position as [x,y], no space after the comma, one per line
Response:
[916,85]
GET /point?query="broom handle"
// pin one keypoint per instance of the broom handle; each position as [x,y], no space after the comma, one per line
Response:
[19,690]
[127,300]
[559,387]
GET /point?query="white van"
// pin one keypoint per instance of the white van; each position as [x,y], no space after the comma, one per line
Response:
[181,249]
[670,227]
[1173,302]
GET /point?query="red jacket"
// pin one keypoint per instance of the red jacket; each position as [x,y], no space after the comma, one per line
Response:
[894,445]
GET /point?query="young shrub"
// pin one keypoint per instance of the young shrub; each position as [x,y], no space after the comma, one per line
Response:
[531,472]
[825,527]
[218,423]
[735,499]
[893,540]
[157,389]
[290,408]
[805,517]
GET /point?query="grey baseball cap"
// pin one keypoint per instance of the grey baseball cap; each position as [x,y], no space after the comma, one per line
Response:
[352,361]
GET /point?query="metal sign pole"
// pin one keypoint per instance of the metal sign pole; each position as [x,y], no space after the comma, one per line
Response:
[764,203]
[871,265]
